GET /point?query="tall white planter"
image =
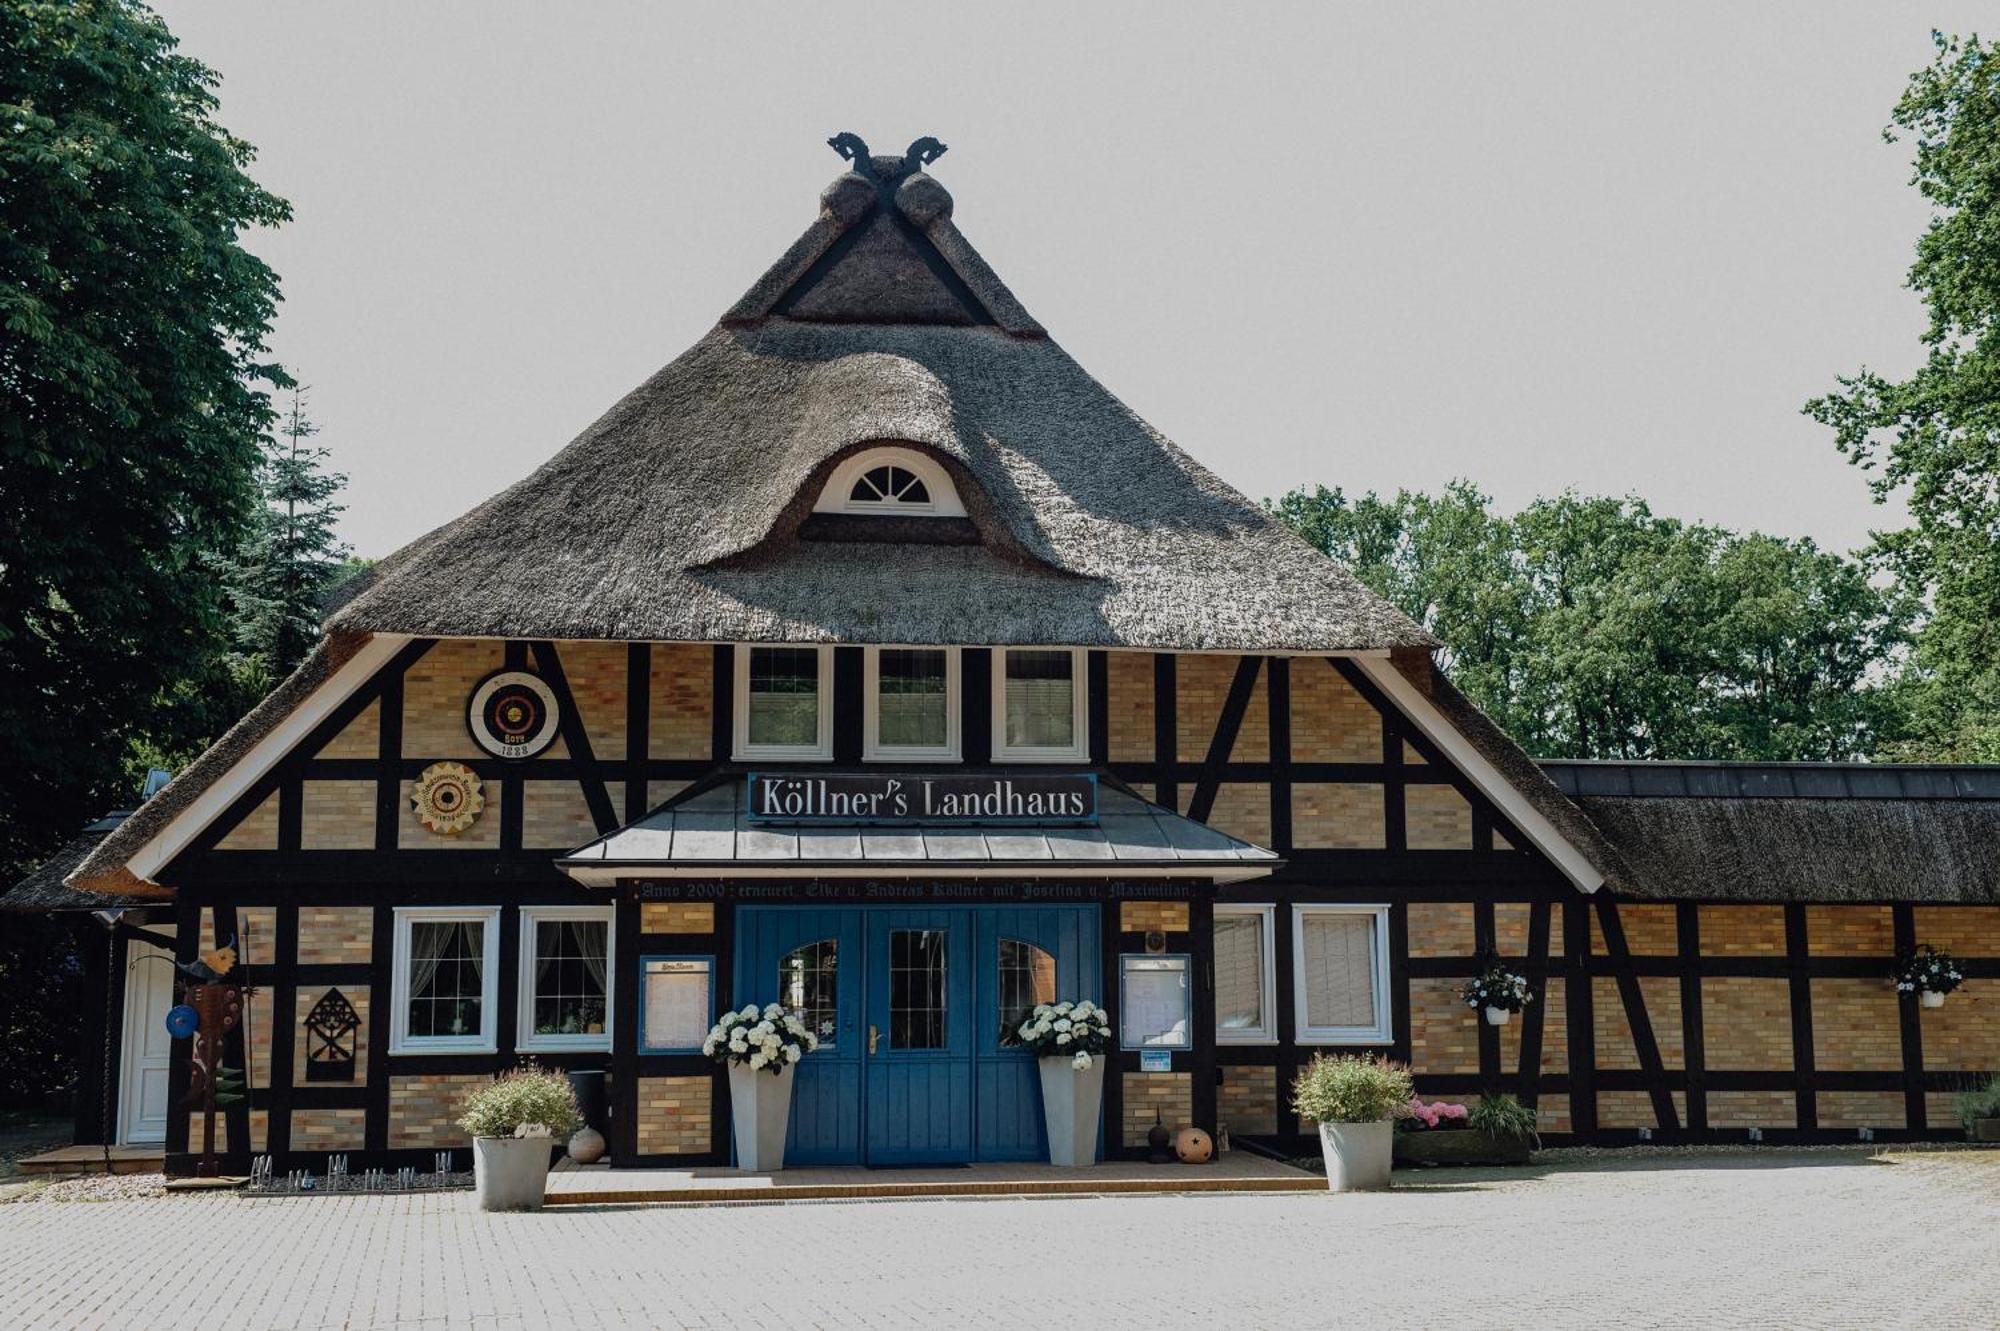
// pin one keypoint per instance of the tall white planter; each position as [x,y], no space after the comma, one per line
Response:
[1358,1155]
[1072,1102]
[1497,1016]
[510,1173]
[1930,998]
[760,1109]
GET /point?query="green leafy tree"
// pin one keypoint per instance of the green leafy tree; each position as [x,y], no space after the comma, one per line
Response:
[1933,437]
[133,377]
[292,560]
[1589,627]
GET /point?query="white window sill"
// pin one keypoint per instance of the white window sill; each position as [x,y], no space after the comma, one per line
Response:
[1357,1038]
[565,1044]
[421,1046]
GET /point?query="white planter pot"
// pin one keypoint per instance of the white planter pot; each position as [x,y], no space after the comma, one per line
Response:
[1072,1102]
[1497,1016]
[1358,1155]
[1930,998]
[760,1109]
[510,1173]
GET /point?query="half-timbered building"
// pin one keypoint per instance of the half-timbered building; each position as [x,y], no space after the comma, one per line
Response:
[873,658]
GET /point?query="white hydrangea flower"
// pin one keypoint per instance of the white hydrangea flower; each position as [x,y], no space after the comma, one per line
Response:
[758,1060]
[1061,1038]
[1080,1062]
[750,1012]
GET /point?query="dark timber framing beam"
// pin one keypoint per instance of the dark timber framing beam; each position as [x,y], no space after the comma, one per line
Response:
[1634,999]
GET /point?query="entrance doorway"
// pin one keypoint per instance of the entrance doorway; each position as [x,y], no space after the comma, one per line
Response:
[146,1046]
[915,1008]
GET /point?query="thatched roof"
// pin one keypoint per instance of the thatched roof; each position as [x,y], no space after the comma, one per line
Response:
[1796,832]
[44,889]
[677,515]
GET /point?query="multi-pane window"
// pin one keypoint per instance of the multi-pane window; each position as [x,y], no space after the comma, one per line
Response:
[809,987]
[444,980]
[917,1012]
[1027,977]
[890,486]
[1341,961]
[912,702]
[783,695]
[565,998]
[1038,704]
[1243,980]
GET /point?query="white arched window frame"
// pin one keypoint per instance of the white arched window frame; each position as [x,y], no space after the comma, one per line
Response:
[879,481]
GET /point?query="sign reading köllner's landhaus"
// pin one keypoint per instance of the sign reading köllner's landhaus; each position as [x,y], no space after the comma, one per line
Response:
[916,797]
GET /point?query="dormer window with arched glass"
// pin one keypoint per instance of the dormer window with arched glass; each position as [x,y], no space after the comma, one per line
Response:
[891,482]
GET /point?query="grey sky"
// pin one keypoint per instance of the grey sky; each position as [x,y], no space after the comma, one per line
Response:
[1600,246]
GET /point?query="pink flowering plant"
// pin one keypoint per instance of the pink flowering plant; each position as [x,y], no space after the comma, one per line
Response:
[1418,1116]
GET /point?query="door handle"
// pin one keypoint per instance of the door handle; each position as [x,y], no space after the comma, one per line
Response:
[873,1036]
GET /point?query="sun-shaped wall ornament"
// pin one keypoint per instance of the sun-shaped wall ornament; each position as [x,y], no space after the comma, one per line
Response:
[446,798]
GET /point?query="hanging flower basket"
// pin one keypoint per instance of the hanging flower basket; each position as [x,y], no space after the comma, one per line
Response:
[1928,972]
[1499,992]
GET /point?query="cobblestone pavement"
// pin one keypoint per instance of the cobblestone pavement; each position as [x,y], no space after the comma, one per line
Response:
[1766,1241]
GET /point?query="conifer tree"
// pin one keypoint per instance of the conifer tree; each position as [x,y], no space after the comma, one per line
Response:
[291,559]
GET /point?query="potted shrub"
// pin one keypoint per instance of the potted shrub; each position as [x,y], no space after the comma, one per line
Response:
[1496,1131]
[1354,1100]
[1068,1040]
[760,1047]
[515,1123]
[1929,972]
[1499,991]
[1979,1110]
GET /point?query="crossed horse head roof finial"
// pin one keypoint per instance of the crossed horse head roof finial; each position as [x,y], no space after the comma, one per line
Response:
[920,154]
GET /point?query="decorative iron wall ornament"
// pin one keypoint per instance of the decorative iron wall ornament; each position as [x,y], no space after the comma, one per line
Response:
[513,714]
[330,1038]
[446,798]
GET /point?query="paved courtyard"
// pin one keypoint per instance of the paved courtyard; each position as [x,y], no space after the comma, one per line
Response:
[1809,1240]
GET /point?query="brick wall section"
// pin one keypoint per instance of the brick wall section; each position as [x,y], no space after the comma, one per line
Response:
[260,1031]
[659,792]
[1964,1034]
[1337,817]
[1850,931]
[329,1130]
[1204,683]
[1552,1114]
[1861,1109]
[676,1115]
[1616,1049]
[1968,931]
[336,935]
[555,814]
[596,675]
[1554,1001]
[1128,706]
[1444,1032]
[1746,1024]
[1441,928]
[258,829]
[260,1124]
[1510,928]
[1169,1094]
[360,738]
[1141,916]
[1652,931]
[1247,1100]
[424,1110]
[1331,723]
[1741,931]
[676,917]
[683,685]
[1857,1026]
[1634,1109]
[1752,1109]
[1436,818]
[1242,810]
[310,994]
[435,692]
[337,815]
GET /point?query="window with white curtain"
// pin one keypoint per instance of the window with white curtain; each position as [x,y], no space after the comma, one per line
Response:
[911,704]
[1244,985]
[784,702]
[1341,974]
[1038,705]
[565,997]
[445,980]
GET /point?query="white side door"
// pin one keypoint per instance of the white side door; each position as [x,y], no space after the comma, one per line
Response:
[142,1081]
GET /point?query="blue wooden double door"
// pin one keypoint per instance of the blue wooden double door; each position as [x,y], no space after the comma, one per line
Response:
[915,1008]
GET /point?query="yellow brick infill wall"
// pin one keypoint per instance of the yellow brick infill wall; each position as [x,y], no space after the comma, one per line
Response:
[1247,1100]
[676,1115]
[676,917]
[336,935]
[424,1110]
[1166,1097]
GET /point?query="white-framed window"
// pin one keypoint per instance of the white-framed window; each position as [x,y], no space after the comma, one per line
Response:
[1039,705]
[911,704]
[784,702]
[1246,1000]
[891,481]
[565,988]
[446,981]
[1340,974]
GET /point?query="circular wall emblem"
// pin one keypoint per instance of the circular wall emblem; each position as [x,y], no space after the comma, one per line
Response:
[512,714]
[446,798]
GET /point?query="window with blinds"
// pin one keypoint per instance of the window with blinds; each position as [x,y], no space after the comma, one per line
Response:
[912,703]
[784,701]
[1038,705]
[1243,980]
[1340,968]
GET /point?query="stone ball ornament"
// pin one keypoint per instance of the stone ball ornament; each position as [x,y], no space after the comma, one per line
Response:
[1193,1146]
[447,798]
[513,714]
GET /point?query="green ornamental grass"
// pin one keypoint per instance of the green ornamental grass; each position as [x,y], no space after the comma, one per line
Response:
[1350,1089]
[527,1096]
